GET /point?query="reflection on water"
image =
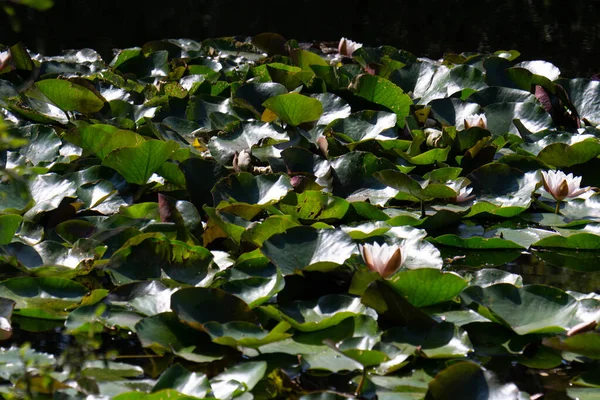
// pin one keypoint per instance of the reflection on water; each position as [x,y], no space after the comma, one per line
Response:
[565,269]
[565,33]
[536,271]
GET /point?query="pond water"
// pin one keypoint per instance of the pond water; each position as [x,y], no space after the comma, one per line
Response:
[565,33]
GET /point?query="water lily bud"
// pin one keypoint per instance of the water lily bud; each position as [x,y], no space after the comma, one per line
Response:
[383,259]
[476,120]
[242,161]
[4,59]
[434,137]
[347,47]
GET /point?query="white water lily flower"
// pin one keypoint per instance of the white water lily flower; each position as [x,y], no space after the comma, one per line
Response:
[562,186]
[347,47]
[464,194]
[4,57]
[383,259]
[476,120]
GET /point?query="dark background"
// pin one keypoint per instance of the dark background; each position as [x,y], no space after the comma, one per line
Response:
[566,33]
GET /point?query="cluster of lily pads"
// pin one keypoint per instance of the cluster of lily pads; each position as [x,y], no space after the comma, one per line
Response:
[260,218]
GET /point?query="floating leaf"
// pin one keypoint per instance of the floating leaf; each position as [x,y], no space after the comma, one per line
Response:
[294,109]
[69,96]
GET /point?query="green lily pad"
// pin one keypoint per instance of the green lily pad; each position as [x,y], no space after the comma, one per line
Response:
[469,381]
[69,96]
[165,333]
[383,92]
[528,309]
[138,163]
[327,311]
[302,247]
[197,306]
[9,224]
[246,188]
[42,297]
[294,109]
[427,286]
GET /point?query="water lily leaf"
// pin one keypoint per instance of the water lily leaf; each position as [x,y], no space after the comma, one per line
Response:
[327,311]
[405,184]
[183,381]
[147,298]
[14,194]
[475,242]
[585,95]
[334,107]
[9,224]
[48,191]
[500,94]
[500,117]
[200,177]
[69,96]
[542,68]
[586,344]
[584,393]
[246,188]
[491,276]
[290,76]
[253,279]
[528,309]
[427,286]
[302,247]
[503,186]
[249,135]
[565,155]
[138,163]
[42,297]
[151,255]
[314,205]
[438,341]
[452,111]
[101,139]
[238,379]
[196,306]
[294,108]
[255,94]
[365,125]
[245,334]
[43,146]
[581,241]
[428,81]
[383,92]
[469,381]
[354,177]
[272,225]
[223,224]
[162,394]
[165,333]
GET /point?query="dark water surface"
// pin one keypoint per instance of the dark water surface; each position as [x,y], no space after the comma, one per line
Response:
[566,33]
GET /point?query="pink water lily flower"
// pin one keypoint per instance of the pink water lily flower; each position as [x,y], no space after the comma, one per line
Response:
[476,120]
[384,259]
[561,186]
[347,47]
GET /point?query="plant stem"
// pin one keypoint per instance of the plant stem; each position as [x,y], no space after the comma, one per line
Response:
[363,378]
[423,209]
[557,210]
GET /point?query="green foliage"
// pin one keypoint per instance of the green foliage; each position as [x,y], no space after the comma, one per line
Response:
[197,220]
